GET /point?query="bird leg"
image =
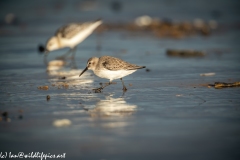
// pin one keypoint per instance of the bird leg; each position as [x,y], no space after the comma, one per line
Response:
[97,90]
[66,54]
[124,87]
[74,52]
[45,59]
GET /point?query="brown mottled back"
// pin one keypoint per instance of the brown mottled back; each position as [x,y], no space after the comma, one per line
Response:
[71,30]
[114,64]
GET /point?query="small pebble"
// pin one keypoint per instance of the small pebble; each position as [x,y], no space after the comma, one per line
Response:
[65,85]
[48,97]
[207,74]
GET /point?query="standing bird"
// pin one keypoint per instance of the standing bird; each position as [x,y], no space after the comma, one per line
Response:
[110,68]
[71,35]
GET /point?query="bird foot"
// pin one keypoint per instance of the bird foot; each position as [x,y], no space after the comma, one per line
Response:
[124,89]
[98,90]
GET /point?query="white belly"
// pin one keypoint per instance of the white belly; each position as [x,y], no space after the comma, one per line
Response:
[111,75]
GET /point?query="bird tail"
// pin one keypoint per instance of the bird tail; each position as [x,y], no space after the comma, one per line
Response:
[97,22]
[99,19]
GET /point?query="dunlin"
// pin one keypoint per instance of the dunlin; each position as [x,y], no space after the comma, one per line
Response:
[71,35]
[110,68]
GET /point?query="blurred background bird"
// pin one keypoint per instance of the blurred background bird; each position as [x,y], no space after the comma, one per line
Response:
[70,36]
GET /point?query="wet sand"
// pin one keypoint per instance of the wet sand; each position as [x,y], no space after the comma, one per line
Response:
[168,111]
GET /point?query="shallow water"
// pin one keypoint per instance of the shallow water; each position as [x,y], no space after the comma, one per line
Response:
[166,113]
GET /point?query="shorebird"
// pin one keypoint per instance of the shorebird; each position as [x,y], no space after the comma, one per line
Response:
[70,36]
[110,68]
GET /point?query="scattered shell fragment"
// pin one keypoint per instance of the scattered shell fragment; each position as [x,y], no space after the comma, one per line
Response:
[147,70]
[143,21]
[65,85]
[62,123]
[207,74]
[164,28]
[219,85]
[43,87]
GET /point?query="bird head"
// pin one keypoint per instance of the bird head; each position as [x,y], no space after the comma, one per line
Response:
[91,64]
[52,44]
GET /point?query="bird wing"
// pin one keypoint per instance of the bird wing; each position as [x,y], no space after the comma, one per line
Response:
[70,30]
[114,64]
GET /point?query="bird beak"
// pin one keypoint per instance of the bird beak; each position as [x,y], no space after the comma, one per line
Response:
[83,71]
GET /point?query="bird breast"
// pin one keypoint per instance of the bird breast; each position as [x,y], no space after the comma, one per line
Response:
[111,75]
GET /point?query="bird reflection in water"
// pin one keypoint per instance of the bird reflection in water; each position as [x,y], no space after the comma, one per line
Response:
[111,113]
[60,63]
[111,107]
[65,73]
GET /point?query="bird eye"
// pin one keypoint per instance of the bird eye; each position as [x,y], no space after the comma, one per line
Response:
[89,63]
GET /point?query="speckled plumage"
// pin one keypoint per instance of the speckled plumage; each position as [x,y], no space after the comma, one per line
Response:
[70,30]
[114,64]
